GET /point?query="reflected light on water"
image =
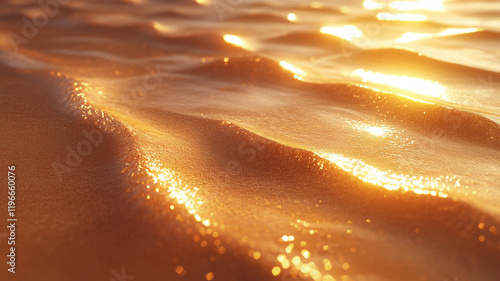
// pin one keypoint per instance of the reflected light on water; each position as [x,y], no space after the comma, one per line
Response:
[375,130]
[401,17]
[412,36]
[455,31]
[417,85]
[431,5]
[292,17]
[298,74]
[347,32]
[233,39]
[388,180]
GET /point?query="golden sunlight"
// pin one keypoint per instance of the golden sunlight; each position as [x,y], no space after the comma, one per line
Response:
[417,85]
[298,73]
[374,130]
[412,36]
[388,180]
[377,131]
[347,32]
[266,140]
[232,39]
[455,31]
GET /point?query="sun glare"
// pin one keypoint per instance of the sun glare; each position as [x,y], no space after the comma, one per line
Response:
[388,180]
[377,131]
[412,36]
[347,32]
[417,85]
[232,39]
[455,31]
[298,74]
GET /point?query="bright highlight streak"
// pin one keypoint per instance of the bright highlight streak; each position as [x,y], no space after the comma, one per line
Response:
[298,73]
[417,85]
[400,17]
[431,5]
[388,180]
[374,130]
[412,36]
[292,17]
[455,31]
[232,39]
[377,131]
[347,32]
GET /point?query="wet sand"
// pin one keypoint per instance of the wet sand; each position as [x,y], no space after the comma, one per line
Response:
[281,152]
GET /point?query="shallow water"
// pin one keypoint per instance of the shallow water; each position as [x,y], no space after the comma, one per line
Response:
[326,140]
